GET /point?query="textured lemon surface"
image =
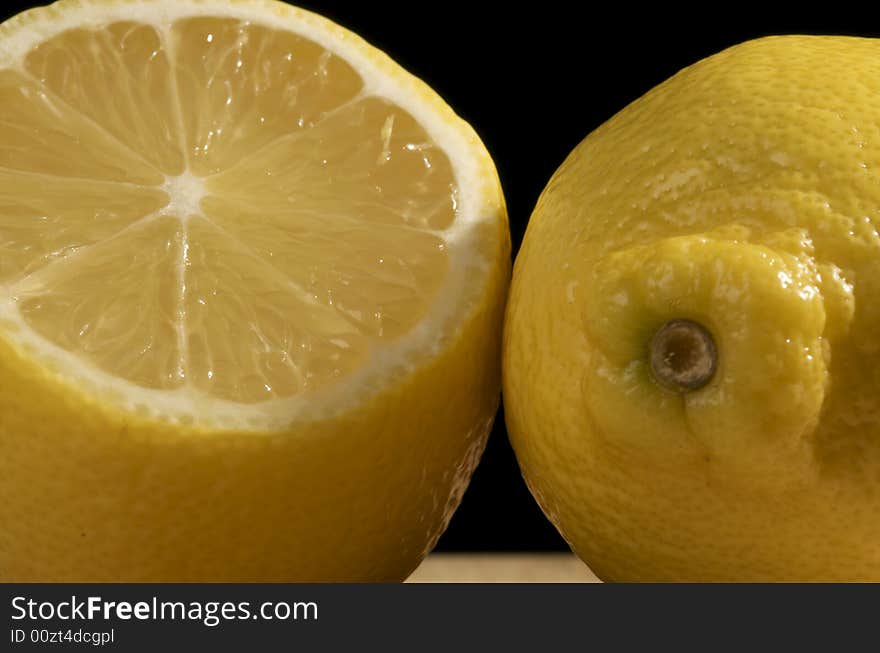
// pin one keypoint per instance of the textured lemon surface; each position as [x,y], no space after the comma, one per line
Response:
[252,277]
[742,194]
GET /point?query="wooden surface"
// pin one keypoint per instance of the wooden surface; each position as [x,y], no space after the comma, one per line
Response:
[503,568]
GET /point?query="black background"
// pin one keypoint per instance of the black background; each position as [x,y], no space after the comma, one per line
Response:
[534,79]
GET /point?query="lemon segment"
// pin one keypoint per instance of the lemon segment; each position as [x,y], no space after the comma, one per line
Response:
[83,303]
[40,132]
[119,78]
[247,86]
[40,224]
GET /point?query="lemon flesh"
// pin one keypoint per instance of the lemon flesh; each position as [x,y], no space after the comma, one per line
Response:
[251,283]
[742,195]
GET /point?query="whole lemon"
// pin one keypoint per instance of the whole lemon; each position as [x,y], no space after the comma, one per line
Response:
[691,350]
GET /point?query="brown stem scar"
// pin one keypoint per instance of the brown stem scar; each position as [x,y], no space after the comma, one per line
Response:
[683,355]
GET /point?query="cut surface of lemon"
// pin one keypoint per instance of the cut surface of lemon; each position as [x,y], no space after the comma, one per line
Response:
[238,218]
[204,205]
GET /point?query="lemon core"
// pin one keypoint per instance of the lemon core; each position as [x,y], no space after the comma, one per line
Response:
[185,193]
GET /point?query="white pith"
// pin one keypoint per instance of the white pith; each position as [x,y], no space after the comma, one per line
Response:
[467,269]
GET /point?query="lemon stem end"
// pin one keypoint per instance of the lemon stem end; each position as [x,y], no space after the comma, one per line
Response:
[683,355]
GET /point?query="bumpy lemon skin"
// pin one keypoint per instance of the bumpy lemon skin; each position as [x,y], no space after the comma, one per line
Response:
[91,494]
[741,193]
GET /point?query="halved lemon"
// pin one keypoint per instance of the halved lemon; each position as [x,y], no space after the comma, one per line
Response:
[252,276]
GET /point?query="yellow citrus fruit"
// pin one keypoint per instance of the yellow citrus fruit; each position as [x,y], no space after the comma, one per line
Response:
[691,347]
[252,277]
